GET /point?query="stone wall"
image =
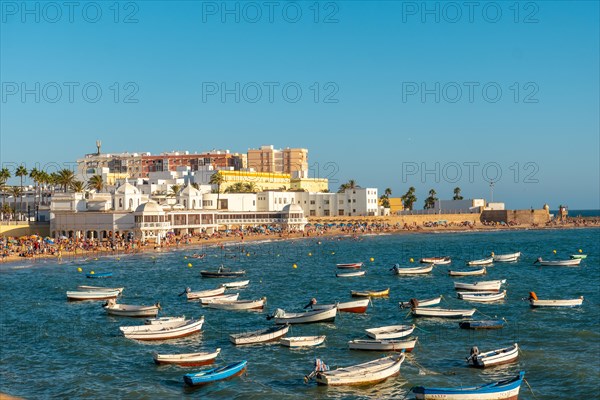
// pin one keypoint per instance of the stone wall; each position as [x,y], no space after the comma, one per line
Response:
[24,229]
[521,217]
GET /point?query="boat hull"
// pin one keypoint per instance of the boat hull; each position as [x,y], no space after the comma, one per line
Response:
[327,315]
[238,305]
[350,266]
[371,293]
[186,360]
[482,298]
[507,257]
[358,306]
[187,329]
[423,303]
[496,357]
[215,375]
[557,303]
[362,374]
[302,341]
[496,324]
[503,390]
[383,345]
[390,332]
[263,336]
[91,296]
[441,312]
[413,270]
[481,271]
[350,274]
[562,263]
[491,286]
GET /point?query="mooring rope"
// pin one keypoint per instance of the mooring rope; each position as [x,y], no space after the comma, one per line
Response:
[530,389]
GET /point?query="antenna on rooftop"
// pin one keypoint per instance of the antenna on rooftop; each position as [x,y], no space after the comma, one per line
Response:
[98,145]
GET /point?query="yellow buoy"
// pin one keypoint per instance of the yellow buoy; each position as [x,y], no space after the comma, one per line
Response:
[581,251]
[309,254]
[554,251]
[185,258]
[333,252]
[247,254]
[412,260]
[96,259]
[79,269]
[190,265]
[372,259]
[91,272]
[295,266]
[118,258]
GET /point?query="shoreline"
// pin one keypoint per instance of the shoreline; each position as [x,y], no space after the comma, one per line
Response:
[197,244]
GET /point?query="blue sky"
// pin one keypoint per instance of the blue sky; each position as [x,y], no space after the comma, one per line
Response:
[388,89]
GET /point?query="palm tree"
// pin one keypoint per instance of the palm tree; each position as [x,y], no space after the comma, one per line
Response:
[457,195]
[238,187]
[21,172]
[44,179]
[15,192]
[388,192]
[351,184]
[217,179]
[250,187]
[4,177]
[430,201]
[77,186]
[385,198]
[66,177]
[96,183]
[409,198]
[195,186]
[35,174]
[174,190]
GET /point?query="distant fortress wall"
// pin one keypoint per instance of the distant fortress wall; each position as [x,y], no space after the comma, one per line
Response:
[522,217]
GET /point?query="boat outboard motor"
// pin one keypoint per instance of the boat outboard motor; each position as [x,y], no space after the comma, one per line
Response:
[414,303]
[474,354]
[539,259]
[395,267]
[187,290]
[311,303]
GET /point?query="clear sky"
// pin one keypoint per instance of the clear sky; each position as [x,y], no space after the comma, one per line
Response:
[388,89]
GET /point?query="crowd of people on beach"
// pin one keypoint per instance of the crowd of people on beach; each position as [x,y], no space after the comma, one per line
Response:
[37,246]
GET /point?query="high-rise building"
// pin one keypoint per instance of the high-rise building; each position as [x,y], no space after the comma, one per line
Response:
[286,161]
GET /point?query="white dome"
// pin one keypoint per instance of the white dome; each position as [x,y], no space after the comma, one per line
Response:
[292,208]
[127,188]
[150,207]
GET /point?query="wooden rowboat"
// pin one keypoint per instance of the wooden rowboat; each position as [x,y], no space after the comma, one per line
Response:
[573,262]
[436,260]
[557,303]
[205,293]
[482,298]
[483,261]
[350,265]
[237,284]
[481,271]
[308,317]
[494,357]
[99,289]
[350,274]
[383,345]
[302,341]
[238,304]
[390,332]
[187,359]
[365,373]
[262,336]
[215,374]
[124,310]
[507,389]
[412,270]
[442,312]
[224,298]
[165,322]
[492,286]
[511,257]
[371,293]
[482,324]
[92,295]
[164,333]
[357,306]
[93,275]
[222,272]
[421,303]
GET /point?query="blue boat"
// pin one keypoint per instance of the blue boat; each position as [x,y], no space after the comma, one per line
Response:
[482,324]
[215,374]
[507,389]
[99,275]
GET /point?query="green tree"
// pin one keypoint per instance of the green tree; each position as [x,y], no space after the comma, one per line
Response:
[65,178]
[430,201]
[15,192]
[195,186]
[4,177]
[21,172]
[409,198]
[351,184]
[174,190]
[217,179]
[77,186]
[96,183]
[457,195]
[250,187]
[384,199]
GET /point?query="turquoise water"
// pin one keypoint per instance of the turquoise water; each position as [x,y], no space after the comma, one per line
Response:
[53,348]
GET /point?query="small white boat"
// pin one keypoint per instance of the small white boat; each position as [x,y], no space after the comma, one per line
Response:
[383,345]
[238,284]
[390,332]
[442,312]
[436,260]
[92,295]
[412,270]
[165,321]
[225,298]
[360,374]
[282,317]
[481,271]
[483,261]
[511,257]
[535,302]
[86,288]
[357,306]
[421,303]
[187,359]
[124,310]
[462,293]
[492,286]
[350,274]
[350,265]
[205,293]
[152,327]
[370,293]
[262,336]
[151,333]
[238,304]
[302,341]
[482,298]
[494,357]
[573,262]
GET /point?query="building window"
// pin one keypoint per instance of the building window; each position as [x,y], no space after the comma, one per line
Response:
[312,213]
[326,213]
[340,212]
[312,202]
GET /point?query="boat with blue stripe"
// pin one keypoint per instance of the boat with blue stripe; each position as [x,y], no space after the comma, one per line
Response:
[507,389]
[215,374]
[482,324]
[94,275]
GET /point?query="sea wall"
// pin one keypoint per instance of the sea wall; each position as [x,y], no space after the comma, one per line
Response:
[24,229]
[521,217]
